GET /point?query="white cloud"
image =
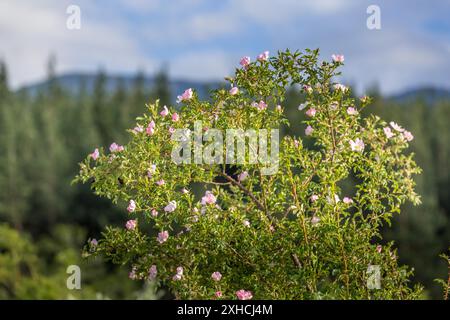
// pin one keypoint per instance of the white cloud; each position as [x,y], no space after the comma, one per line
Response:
[31,33]
[202,65]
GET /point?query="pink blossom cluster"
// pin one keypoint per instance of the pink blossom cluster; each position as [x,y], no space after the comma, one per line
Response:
[245,61]
[352,111]
[179,275]
[261,105]
[338,58]
[162,236]
[208,198]
[244,294]
[131,224]
[311,112]
[151,128]
[171,206]
[131,206]
[404,133]
[114,147]
[234,90]
[216,276]
[152,272]
[357,145]
[94,155]
[164,112]
[242,176]
[186,96]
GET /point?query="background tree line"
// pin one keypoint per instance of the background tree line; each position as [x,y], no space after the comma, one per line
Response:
[44,221]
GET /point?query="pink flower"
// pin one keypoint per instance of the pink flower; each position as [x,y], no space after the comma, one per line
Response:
[94,242]
[245,61]
[340,87]
[138,129]
[208,198]
[338,58]
[263,56]
[216,276]
[179,275]
[388,132]
[160,182]
[186,96]
[314,198]
[175,117]
[233,91]
[164,112]
[396,127]
[246,223]
[352,111]
[244,295]
[114,147]
[307,88]
[152,272]
[315,220]
[218,294]
[171,206]
[347,200]
[260,106]
[311,112]
[162,236]
[94,155]
[171,130]
[242,176]
[154,213]
[151,171]
[379,248]
[131,224]
[357,145]
[309,130]
[151,128]
[408,135]
[131,206]
[364,99]
[296,143]
[132,275]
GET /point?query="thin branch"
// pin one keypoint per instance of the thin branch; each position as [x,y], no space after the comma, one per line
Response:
[246,191]
[296,260]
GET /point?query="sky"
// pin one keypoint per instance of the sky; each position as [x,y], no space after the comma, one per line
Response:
[204,39]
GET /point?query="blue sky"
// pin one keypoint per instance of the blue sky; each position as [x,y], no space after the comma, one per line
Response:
[204,39]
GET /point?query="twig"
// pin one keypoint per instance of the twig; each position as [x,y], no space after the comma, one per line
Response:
[247,192]
[296,260]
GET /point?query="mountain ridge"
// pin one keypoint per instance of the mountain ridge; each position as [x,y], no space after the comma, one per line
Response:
[74,81]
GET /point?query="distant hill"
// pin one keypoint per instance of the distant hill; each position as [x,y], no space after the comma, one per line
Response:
[429,95]
[72,82]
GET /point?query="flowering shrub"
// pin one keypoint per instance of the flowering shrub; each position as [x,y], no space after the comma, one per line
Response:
[284,235]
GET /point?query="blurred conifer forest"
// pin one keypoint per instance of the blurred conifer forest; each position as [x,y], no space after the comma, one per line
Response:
[45,221]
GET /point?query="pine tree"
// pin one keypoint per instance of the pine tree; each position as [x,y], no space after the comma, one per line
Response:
[161,88]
